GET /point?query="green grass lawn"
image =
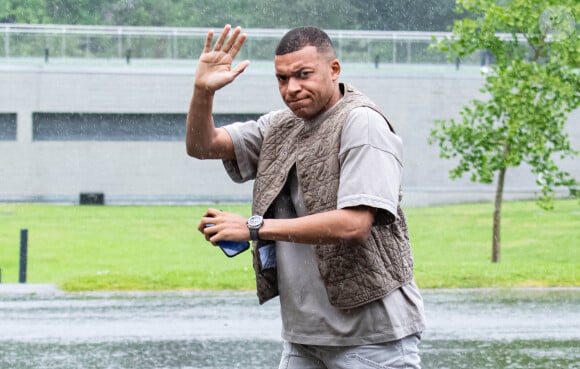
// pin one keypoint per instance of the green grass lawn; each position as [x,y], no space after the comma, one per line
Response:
[452,245]
[159,247]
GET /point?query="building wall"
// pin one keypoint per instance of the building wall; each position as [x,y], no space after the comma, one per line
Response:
[160,171]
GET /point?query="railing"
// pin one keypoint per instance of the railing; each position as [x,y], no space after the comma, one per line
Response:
[72,41]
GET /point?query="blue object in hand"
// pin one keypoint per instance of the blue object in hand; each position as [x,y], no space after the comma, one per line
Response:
[231,248]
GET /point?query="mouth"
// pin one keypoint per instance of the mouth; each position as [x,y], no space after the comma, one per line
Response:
[297,104]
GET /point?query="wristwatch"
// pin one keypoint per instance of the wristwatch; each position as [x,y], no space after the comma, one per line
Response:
[255,222]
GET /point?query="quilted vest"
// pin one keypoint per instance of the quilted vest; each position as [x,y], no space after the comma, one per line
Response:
[352,274]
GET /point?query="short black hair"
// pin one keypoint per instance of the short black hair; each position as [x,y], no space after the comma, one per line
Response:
[300,37]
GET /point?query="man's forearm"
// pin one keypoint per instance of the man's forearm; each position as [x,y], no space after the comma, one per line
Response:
[350,225]
[199,123]
[213,71]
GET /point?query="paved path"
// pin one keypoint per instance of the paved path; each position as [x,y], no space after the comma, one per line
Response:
[45,328]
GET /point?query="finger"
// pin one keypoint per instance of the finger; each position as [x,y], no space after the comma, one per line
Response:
[235,49]
[207,44]
[232,40]
[207,218]
[241,67]
[205,223]
[220,41]
[209,232]
[211,213]
[212,238]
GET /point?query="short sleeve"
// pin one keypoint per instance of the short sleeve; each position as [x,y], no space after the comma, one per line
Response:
[371,163]
[247,138]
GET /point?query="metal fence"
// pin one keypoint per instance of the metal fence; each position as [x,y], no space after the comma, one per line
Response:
[108,42]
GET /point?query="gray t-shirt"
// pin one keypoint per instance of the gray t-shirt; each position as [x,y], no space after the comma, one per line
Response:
[368,147]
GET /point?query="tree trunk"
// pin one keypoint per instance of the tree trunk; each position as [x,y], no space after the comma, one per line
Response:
[496,243]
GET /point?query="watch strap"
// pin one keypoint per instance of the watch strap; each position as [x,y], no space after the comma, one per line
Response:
[255,234]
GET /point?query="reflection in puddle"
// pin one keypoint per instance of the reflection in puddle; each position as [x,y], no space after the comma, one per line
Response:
[141,354]
[520,329]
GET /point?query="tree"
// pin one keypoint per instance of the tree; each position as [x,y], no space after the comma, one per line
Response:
[395,15]
[401,15]
[532,86]
[23,11]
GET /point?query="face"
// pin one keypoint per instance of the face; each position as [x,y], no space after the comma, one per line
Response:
[308,81]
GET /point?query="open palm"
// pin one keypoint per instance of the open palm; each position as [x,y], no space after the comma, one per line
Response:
[214,68]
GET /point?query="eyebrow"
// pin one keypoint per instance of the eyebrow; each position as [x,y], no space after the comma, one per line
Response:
[293,74]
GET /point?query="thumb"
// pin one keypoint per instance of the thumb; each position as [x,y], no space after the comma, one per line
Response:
[240,67]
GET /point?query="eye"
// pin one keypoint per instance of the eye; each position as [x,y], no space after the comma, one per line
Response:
[303,74]
[282,79]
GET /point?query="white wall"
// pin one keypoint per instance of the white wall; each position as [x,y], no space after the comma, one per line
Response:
[144,172]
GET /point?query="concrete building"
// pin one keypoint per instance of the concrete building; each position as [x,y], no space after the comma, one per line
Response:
[117,129]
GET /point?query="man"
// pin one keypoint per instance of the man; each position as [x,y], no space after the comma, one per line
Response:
[329,235]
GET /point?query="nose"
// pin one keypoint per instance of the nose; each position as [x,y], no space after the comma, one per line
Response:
[293,85]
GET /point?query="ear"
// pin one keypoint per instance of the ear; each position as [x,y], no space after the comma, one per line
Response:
[335,69]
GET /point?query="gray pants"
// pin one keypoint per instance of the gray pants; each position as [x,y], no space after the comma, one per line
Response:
[401,354]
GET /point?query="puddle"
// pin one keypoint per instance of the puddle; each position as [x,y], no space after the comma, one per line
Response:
[523,329]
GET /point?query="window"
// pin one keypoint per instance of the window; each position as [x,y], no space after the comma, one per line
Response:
[7,127]
[117,127]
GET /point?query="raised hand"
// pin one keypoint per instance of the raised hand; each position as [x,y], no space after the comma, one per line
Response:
[214,68]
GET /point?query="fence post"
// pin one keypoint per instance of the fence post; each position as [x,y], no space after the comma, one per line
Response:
[23,255]
[6,42]
[394,38]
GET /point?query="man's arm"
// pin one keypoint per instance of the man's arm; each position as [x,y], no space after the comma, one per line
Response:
[342,225]
[214,71]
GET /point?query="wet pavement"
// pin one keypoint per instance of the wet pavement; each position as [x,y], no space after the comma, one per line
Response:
[42,327]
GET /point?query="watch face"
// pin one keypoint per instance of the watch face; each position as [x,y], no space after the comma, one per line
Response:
[255,221]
